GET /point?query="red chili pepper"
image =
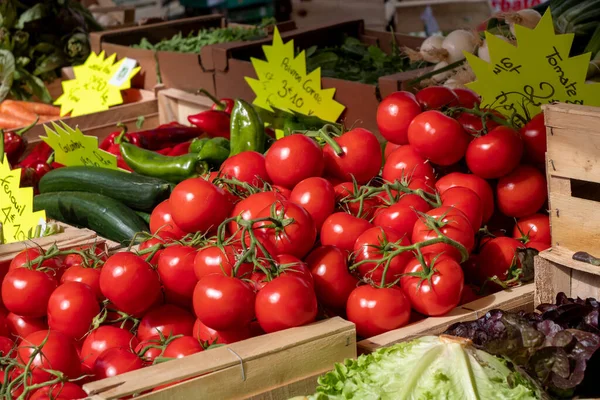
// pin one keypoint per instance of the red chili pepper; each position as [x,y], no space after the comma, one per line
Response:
[40,152]
[223,104]
[165,151]
[31,176]
[56,165]
[15,144]
[115,149]
[172,123]
[110,139]
[180,149]
[214,123]
[156,139]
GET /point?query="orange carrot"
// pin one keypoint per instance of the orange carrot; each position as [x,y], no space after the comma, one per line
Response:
[8,121]
[12,108]
[37,108]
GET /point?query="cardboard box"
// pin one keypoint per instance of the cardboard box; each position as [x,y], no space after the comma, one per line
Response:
[232,65]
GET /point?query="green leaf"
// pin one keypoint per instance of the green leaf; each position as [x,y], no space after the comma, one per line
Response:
[7,71]
[49,63]
[36,12]
[8,14]
[36,86]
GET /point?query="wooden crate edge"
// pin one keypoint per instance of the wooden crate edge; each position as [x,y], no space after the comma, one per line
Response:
[223,359]
[518,298]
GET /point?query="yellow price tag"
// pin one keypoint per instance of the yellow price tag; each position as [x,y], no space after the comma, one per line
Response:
[283,83]
[97,85]
[71,147]
[18,220]
[537,71]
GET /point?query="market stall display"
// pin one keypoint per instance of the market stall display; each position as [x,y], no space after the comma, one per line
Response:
[214,232]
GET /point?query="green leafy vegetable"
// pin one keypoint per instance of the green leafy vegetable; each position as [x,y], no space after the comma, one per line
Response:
[193,43]
[7,70]
[358,62]
[430,367]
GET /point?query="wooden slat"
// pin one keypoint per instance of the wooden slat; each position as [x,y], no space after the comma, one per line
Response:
[570,116]
[564,257]
[575,223]
[177,105]
[516,299]
[293,356]
[550,279]
[574,153]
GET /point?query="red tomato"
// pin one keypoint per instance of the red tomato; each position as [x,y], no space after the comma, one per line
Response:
[534,138]
[294,158]
[30,254]
[4,331]
[199,206]
[317,196]
[26,292]
[116,361]
[72,308]
[20,327]
[285,302]
[438,138]
[168,319]
[285,192]
[76,259]
[342,230]
[437,294]
[58,353]
[473,125]
[395,114]
[370,245]
[467,201]
[89,276]
[149,349]
[6,347]
[60,391]
[250,207]
[535,228]
[346,195]
[436,98]
[224,303]
[406,163]
[159,238]
[377,310]
[297,237]
[361,158]
[495,154]
[466,97]
[473,182]
[496,257]
[104,338]
[333,281]
[176,272]
[290,265]
[183,346]
[453,224]
[523,192]
[216,260]
[161,220]
[539,246]
[401,216]
[247,166]
[129,283]
[208,335]
[389,149]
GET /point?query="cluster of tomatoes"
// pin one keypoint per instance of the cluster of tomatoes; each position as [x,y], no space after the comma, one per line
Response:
[313,228]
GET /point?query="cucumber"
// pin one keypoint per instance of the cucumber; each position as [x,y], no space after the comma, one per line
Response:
[136,191]
[108,217]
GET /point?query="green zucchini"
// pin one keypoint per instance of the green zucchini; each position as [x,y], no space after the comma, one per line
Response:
[136,191]
[108,217]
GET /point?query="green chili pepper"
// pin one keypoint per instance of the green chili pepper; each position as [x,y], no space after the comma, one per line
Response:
[247,129]
[214,151]
[172,169]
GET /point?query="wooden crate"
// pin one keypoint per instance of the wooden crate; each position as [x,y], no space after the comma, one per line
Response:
[516,299]
[274,366]
[449,14]
[101,124]
[573,172]
[177,105]
[556,271]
